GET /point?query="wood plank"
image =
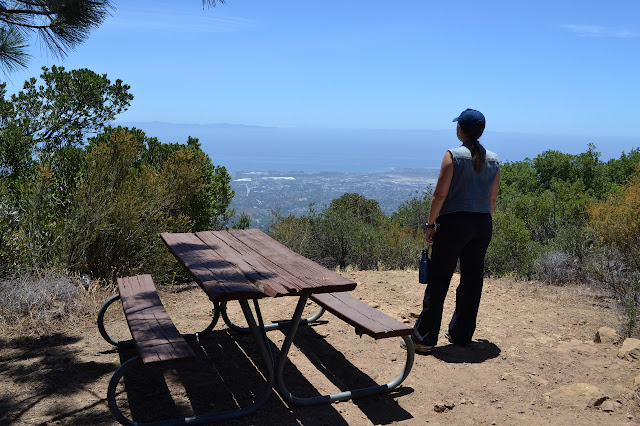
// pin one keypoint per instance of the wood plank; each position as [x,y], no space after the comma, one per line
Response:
[255,251]
[365,318]
[156,337]
[220,279]
[315,276]
[250,262]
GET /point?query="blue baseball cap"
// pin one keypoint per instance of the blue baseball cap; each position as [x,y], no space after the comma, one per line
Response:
[470,118]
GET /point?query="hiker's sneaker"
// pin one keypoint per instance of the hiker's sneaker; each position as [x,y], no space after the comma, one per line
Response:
[448,337]
[418,347]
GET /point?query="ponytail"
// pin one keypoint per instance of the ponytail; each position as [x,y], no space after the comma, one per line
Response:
[478,155]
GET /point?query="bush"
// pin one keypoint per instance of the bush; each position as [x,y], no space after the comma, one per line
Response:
[615,221]
[34,302]
[613,271]
[557,268]
[117,213]
[511,250]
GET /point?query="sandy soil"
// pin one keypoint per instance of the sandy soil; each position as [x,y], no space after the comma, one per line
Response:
[530,341]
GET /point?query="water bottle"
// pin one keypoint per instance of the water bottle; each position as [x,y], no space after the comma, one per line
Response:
[423,271]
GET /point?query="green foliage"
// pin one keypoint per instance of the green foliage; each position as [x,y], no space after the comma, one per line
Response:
[62,111]
[414,213]
[118,211]
[619,170]
[243,222]
[351,231]
[96,208]
[299,234]
[512,251]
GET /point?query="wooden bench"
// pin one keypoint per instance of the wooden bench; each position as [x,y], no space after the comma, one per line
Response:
[366,319]
[160,344]
[156,337]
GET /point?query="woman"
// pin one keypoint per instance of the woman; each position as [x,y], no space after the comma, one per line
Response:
[460,227]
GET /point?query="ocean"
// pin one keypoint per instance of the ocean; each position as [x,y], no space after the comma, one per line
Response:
[256,148]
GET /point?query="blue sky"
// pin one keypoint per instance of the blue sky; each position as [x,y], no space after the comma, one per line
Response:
[539,67]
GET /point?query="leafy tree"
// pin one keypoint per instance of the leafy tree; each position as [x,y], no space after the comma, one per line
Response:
[117,212]
[62,111]
[619,170]
[201,190]
[516,179]
[243,222]
[413,213]
[512,251]
[299,234]
[552,165]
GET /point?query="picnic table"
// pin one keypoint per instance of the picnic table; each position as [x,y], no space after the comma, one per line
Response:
[244,266]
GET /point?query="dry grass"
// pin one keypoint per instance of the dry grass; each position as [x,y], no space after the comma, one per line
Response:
[37,303]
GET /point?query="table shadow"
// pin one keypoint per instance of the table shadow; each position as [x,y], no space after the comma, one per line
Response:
[226,375]
[379,409]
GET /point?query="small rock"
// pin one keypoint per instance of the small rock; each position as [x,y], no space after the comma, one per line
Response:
[439,408]
[449,405]
[596,402]
[606,335]
[578,394]
[607,406]
[630,349]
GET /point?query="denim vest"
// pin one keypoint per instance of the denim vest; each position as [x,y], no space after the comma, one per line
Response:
[470,191]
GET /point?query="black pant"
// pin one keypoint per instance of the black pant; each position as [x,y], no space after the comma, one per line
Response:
[464,236]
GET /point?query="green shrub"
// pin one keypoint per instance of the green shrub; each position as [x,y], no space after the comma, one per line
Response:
[512,251]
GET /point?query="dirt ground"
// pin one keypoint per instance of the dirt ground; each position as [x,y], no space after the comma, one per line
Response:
[530,340]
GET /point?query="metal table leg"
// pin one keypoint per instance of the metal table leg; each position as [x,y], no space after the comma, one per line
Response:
[341,396]
[268,327]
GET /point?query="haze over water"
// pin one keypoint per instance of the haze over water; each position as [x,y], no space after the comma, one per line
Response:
[257,148]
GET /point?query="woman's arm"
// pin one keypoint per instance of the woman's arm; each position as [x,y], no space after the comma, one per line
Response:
[440,192]
[494,191]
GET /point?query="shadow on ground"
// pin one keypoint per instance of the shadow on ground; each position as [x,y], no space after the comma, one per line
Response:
[50,369]
[227,376]
[478,351]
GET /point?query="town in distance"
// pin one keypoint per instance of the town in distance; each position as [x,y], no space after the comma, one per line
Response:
[260,194]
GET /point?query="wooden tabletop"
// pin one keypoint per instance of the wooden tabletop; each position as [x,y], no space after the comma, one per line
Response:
[248,264]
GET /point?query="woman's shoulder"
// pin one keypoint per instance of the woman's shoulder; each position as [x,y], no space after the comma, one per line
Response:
[460,151]
[491,156]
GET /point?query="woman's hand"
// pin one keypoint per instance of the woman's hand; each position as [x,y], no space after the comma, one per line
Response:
[431,232]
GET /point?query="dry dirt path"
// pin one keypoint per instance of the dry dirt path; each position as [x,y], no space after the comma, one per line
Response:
[531,340]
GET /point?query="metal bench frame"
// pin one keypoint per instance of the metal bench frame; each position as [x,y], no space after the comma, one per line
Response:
[286,346]
[259,335]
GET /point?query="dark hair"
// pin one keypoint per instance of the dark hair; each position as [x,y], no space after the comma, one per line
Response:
[478,153]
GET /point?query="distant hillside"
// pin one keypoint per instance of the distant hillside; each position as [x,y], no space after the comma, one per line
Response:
[259,193]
